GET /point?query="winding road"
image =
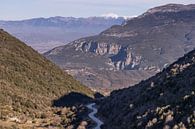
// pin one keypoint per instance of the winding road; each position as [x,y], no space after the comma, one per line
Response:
[93,117]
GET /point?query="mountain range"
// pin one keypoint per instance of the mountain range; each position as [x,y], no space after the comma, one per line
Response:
[44,34]
[125,54]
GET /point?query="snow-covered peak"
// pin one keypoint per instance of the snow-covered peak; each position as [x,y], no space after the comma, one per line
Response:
[110,15]
[113,15]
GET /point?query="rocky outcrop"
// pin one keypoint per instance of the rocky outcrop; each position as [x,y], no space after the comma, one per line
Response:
[99,48]
[121,58]
[125,34]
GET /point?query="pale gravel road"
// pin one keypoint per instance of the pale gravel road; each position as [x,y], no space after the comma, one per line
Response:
[93,117]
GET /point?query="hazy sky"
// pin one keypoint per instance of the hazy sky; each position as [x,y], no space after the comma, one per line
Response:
[23,9]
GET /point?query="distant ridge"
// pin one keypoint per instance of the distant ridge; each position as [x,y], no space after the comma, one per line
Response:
[44,34]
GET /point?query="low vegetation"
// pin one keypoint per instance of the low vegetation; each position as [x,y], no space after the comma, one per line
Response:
[166,100]
[29,82]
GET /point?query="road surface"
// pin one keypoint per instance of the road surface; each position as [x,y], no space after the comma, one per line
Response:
[93,117]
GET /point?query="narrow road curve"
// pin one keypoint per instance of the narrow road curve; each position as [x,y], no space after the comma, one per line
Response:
[93,117]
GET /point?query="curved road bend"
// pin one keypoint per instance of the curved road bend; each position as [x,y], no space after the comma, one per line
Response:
[93,117]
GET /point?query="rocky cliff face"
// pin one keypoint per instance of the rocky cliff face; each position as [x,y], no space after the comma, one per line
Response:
[149,42]
[120,58]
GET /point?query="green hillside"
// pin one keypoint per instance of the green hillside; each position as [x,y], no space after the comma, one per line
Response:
[28,81]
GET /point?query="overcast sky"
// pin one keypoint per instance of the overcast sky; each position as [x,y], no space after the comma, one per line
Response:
[24,9]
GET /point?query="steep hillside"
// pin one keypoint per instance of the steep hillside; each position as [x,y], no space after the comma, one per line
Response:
[29,83]
[166,100]
[145,44]
[44,34]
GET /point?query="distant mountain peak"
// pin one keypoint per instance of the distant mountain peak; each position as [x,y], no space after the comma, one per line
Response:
[110,15]
[171,8]
[115,16]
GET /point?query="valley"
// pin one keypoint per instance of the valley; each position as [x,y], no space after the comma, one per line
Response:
[135,73]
